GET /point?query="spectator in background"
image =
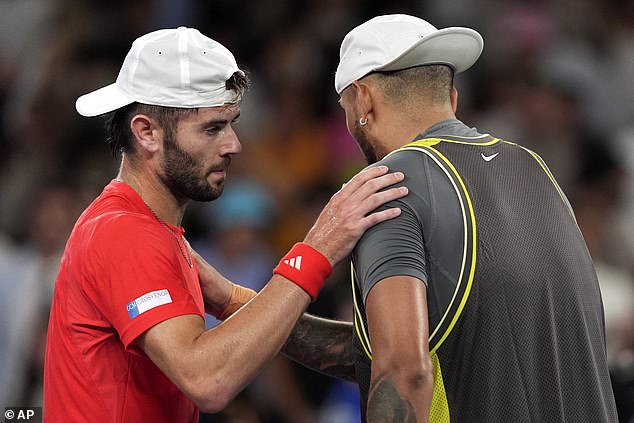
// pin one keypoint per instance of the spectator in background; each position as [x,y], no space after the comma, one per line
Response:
[26,284]
[239,246]
[596,199]
[238,241]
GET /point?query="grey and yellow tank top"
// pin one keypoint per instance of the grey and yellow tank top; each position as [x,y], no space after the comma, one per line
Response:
[515,314]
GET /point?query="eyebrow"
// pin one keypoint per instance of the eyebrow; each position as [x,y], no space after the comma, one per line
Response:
[220,121]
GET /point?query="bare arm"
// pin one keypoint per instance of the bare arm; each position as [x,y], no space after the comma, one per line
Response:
[212,366]
[402,379]
[322,345]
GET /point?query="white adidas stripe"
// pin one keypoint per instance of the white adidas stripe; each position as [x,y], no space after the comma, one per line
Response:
[295,262]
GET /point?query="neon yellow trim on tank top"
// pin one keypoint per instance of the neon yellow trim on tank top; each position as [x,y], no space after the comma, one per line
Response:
[430,142]
[541,163]
[473,247]
[358,320]
[427,143]
[439,409]
[464,222]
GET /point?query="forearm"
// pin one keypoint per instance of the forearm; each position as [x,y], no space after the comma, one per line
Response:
[247,341]
[322,345]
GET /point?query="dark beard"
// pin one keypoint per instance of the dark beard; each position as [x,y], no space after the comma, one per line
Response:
[183,174]
[364,144]
[368,151]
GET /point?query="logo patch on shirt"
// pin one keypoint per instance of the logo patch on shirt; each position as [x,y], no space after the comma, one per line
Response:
[489,158]
[147,302]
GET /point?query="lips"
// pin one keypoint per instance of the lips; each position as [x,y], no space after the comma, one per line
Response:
[220,168]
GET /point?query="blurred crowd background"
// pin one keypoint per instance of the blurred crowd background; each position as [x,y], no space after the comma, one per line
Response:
[556,76]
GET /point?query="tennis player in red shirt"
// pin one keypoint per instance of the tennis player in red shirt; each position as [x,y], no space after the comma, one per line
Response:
[126,339]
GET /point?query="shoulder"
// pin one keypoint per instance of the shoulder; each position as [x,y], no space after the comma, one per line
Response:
[117,231]
[411,163]
[404,158]
[421,171]
[120,246]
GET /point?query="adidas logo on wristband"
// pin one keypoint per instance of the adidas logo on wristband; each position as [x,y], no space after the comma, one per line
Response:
[306,267]
[295,262]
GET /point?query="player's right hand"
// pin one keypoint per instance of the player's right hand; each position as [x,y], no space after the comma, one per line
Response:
[349,213]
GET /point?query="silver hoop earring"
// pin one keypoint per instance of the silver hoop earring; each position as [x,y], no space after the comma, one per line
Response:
[363,121]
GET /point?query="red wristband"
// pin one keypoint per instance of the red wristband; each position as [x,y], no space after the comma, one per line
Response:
[306,267]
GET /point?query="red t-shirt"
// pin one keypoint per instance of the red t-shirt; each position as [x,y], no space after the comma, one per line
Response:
[122,272]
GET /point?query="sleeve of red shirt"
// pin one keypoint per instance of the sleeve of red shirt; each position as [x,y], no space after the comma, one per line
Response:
[131,257]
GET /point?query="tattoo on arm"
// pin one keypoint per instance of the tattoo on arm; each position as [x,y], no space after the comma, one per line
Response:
[322,345]
[386,405]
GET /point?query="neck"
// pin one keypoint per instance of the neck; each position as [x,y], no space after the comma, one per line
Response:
[153,191]
[404,127]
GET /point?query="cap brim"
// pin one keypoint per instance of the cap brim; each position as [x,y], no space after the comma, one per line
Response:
[102,101]
[455,46]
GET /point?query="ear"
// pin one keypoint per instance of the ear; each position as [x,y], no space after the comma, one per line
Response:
[147,133]
[364,98]
[454,99]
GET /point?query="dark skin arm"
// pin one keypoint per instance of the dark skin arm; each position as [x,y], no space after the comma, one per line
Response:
[402,379]
[322,345]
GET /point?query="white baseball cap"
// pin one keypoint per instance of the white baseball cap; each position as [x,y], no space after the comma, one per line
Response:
[170,67]
[395,42]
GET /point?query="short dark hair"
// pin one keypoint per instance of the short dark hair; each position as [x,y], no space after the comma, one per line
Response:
[433,82]
[119,134]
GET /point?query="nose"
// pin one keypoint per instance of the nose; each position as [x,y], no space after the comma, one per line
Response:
[233,145]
